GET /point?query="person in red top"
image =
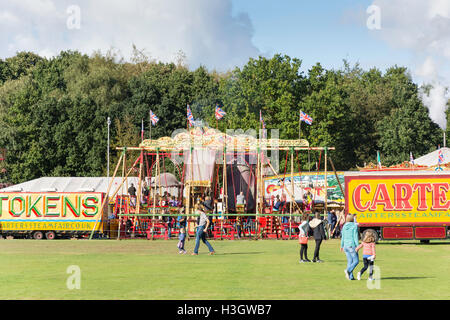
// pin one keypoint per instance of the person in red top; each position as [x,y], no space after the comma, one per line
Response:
[368,245]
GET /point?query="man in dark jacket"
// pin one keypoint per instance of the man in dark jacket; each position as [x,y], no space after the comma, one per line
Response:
[332,219]
[319,234]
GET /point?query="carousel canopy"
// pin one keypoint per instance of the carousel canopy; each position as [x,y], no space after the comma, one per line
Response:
[209,138]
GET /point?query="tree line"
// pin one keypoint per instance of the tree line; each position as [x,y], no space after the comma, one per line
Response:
[53,111]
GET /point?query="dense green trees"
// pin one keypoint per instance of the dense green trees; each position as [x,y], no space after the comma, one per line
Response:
[53,112]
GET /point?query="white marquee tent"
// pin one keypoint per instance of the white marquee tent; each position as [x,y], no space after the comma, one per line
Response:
[431,159]
[72,184]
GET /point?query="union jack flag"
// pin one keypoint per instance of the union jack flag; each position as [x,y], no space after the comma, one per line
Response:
[219,113]
[190,117]
[304,117]
[440,156]
[153,118]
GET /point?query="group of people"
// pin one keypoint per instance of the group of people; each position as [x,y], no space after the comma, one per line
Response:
[337,225]
[316,224]
[203,223]
[164,200]
[349,244]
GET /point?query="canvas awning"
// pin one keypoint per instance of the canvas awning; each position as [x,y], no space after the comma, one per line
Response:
[165,180]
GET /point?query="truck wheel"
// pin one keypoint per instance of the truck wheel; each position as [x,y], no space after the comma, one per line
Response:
[50,235]
[38,235]
[375,234]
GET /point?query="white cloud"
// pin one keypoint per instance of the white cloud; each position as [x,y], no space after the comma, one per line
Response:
[7,18]
[205,30]
[423,28]
[428,69]
[439,8]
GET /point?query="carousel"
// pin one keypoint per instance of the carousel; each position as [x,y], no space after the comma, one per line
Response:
[204,165]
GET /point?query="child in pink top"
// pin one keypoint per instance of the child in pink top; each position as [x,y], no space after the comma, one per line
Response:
[368,245]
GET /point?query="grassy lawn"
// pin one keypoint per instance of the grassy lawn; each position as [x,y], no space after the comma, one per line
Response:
[264,269]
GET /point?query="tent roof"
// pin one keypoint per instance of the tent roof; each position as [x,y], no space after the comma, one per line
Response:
[431,159]
[166,179]
[71,184]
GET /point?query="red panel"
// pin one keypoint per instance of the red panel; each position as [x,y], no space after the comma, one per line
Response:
[430,232]
[398,233]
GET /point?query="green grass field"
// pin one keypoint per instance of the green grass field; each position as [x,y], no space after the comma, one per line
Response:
[263,269]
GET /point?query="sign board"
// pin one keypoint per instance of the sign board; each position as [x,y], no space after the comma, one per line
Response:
[50,211]
[303,182]
[423,199]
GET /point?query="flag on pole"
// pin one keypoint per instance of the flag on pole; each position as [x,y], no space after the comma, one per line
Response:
[190,117]
[219,112]
[261,120]
[263,125]
[378,159]
[306,118]
[142,130]
[411,159]
[440,156]
[153,118]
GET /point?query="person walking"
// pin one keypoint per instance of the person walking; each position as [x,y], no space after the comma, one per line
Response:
[349,242]
[203,225]
[316,225]
[369,254]
[332,219]
[208,204]
[303,238]
[182,239]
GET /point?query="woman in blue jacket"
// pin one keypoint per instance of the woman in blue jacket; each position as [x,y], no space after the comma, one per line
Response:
[349,242]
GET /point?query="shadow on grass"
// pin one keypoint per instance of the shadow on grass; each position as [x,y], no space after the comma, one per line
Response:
[404,278]
[229,253]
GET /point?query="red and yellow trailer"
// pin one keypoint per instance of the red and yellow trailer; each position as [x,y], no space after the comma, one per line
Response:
[51,214]
[400,205]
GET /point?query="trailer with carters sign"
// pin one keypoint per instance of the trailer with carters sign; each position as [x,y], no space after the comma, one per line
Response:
[400,205]
[51,215]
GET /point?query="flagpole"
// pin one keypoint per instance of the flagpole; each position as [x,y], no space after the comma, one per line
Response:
[150,123]
[299,127]
[187,120]
[217,120]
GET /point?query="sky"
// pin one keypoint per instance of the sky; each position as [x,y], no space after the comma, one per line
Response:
[223,34]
